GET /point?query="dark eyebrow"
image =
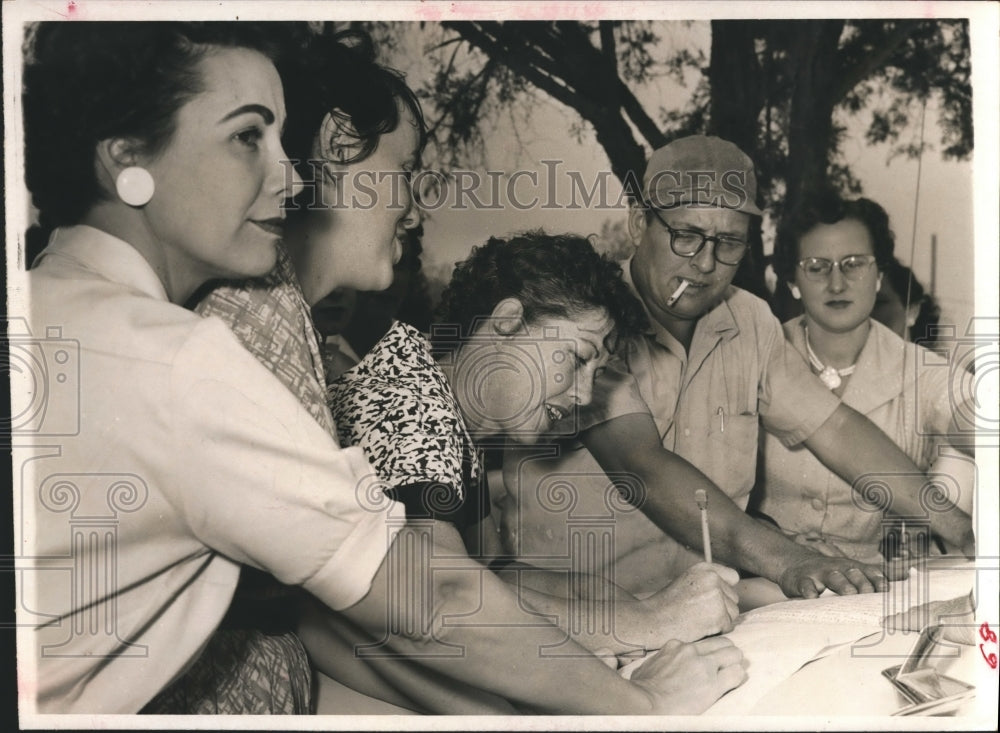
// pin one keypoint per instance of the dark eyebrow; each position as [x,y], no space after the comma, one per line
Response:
[260,109]
[700,230]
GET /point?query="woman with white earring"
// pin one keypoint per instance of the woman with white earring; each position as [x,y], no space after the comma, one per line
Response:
[153,151]
[831,253]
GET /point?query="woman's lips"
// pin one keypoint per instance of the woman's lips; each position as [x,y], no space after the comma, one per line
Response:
[554,412]
[838,304]
[274,226]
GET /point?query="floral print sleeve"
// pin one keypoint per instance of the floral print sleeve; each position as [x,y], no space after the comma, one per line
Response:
[398,407]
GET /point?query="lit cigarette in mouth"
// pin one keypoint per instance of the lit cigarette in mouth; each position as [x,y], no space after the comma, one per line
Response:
[677,293]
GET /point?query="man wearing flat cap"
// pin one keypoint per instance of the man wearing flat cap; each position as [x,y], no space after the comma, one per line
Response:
[679,408]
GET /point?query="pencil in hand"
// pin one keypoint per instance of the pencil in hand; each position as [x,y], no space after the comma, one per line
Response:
[702,498]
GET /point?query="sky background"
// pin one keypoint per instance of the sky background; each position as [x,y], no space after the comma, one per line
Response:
[945,190]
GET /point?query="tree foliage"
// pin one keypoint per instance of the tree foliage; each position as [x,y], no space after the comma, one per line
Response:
[782,90]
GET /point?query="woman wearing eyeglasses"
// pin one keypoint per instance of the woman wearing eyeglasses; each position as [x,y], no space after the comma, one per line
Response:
[831,254]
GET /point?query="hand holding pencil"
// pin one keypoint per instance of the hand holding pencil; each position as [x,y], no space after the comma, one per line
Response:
[701,602]
[706,539]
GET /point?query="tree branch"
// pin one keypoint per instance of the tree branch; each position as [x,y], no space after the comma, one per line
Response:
[607,29]
[852,76]
[482,76]
[645,124]
[446,42]
[520,47]
[526,64]
[606,89]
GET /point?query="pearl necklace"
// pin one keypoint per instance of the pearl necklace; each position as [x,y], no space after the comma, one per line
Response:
[828,375]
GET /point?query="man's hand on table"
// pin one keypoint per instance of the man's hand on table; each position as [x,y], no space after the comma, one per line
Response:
[686,679]
[821,546]
[702,601]
[812,573]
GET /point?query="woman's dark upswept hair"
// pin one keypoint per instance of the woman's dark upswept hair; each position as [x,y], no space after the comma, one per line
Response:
[85,82]
[828,207]
[337,74]
[556,276]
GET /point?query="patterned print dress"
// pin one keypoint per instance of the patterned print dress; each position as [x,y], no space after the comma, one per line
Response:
[397,405]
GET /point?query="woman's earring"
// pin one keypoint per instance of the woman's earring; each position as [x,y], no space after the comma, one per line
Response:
[795,292]
[135,186]
[878,284]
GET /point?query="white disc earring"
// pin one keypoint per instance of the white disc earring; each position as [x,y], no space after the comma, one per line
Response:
[135,186]
[795,292]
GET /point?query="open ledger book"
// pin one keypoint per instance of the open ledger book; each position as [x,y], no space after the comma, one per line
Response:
[778,639]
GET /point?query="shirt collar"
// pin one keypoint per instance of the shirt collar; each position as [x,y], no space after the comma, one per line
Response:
[719,320]
[883,359]
[106,255]
[881,368]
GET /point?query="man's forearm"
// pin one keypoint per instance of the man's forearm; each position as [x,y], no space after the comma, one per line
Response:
[629,444]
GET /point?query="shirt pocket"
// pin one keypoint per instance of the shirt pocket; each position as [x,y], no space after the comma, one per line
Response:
[732,443]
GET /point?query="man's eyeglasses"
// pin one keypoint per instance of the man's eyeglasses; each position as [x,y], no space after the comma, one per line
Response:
[852,267]
[688,243]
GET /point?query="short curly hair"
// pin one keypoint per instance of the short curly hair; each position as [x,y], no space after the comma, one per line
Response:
[85,82]
[828,207]
[556,276]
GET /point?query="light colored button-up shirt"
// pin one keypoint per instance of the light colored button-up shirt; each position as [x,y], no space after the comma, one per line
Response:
[903,389]
[160,456]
